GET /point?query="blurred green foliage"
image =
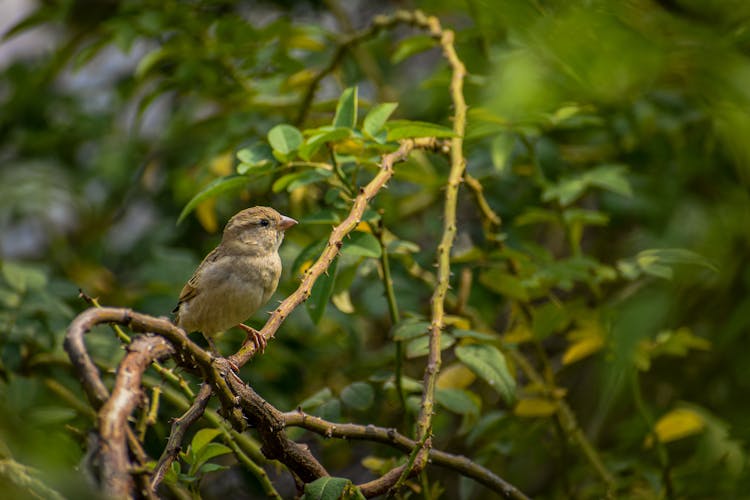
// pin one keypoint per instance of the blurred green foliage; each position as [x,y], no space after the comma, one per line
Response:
[610,137]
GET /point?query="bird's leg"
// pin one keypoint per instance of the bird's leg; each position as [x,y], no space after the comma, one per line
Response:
[258,339]
[212,346]
[215,352]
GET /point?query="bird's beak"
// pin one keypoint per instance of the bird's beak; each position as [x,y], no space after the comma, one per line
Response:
[286,223]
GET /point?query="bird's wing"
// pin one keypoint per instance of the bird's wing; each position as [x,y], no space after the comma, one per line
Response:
[191,288]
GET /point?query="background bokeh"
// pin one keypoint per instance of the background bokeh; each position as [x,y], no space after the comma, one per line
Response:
[612,138]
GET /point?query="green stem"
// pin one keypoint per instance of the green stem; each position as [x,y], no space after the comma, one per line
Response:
[661,451]
[340,173]
[390,295]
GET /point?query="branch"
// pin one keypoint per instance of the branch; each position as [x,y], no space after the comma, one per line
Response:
[379,24]
[245,448]
[397,440]
[177,433]
[458,166]
[270,425]
[189,354]
[335,242]
[488,215]
[117,481]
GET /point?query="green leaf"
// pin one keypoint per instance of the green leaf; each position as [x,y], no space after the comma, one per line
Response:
[609,177]
[21,277]
[330,410]
[346,109]
[401,247]
[535,215]
[321,293]
[205,454]
[202,438]
[675,256]
[325,216]
[504,283]
[358,395]
[296,180]
[471,334]
[488,363]
[501,149]
[549,318]
[420,346]
[412,45]
[210,451]
[409,328]
[206,468]
[213,189]
[377,116]
[285,138]
[458,401]
[308,255]
[150,60]
[332,488]
[361,244]
[585,217]
[257,155]
[403,129]
[50,415]
[314,142]
[316,399]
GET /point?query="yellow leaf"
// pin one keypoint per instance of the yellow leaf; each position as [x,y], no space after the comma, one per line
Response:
[221,165]
[363,227]
[343,302]
[374,463]
[92,278]
[349,147]
[305,266]
[300,78]
[677,424]
[206,215]
[582,348]
[455,376]
[534,388]
[535,407]
[519,334]
[458,322]
[302,41]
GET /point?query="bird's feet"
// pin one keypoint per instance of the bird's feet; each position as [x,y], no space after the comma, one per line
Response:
[218,358]
[258,339]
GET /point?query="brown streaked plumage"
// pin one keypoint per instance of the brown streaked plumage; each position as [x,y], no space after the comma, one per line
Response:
[237,277]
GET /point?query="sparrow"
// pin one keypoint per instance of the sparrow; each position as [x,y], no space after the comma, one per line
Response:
[236,278]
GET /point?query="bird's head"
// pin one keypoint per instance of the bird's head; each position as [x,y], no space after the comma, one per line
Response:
[257,230]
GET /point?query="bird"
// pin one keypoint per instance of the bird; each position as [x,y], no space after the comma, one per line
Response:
[236,278]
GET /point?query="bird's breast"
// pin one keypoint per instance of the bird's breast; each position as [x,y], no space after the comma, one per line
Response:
[230,293]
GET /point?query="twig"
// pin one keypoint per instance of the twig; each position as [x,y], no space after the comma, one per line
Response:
[179,427]
[390,294]
[661,450]
[381,485]
[567,419]
[125,339]
[270,425]
[335,241]
[22,476]
[245,448]
[379,24]
[117,481]
[458,166]
[476,188]
[397,440]
[254,468]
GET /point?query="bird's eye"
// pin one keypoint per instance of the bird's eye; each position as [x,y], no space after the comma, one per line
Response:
[264,222]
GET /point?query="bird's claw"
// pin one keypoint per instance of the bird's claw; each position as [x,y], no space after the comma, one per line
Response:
[258,339]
